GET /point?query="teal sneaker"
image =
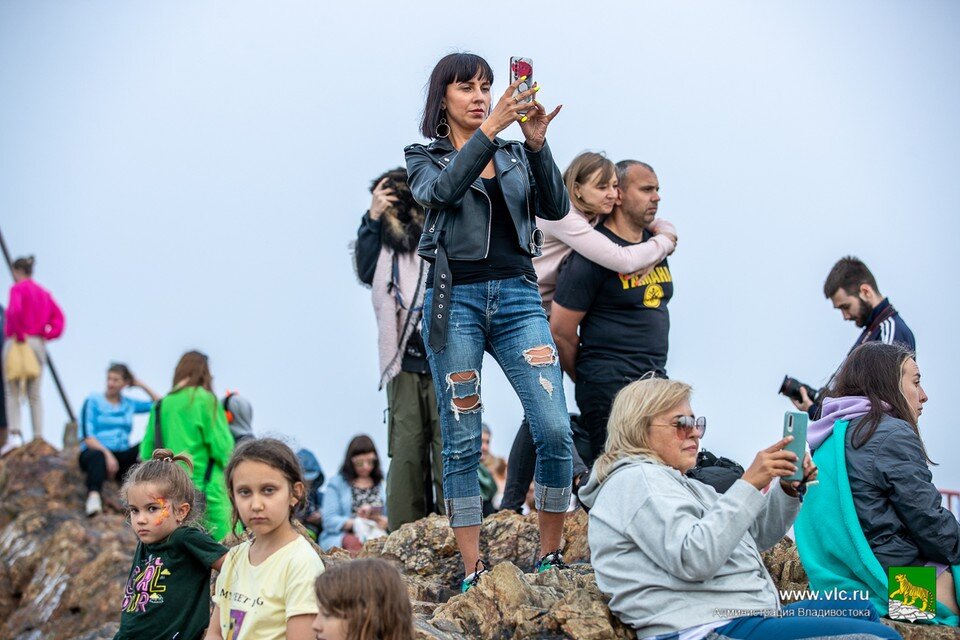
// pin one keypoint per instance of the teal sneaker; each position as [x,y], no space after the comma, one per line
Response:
[469,581]
[553,560]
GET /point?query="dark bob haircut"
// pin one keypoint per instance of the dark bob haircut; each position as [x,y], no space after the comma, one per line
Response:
[455,67]
[358,446]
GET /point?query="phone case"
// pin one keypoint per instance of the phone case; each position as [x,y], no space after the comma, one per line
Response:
[795,424]
[520,67]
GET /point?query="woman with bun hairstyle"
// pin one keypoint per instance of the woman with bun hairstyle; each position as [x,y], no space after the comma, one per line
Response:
[483,195]
[33,317]
[106,421]
[191,419]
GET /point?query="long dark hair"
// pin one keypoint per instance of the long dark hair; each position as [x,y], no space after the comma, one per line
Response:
[275,454]
[874,370]
[455,67]
[358,446]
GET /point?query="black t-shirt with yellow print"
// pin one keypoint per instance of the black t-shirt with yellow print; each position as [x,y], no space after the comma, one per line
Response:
[624,333]
[167,594]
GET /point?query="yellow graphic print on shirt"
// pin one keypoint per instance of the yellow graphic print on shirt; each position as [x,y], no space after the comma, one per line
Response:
[144,586]
[653,280]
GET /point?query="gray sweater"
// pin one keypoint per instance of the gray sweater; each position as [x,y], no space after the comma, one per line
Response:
[672,553]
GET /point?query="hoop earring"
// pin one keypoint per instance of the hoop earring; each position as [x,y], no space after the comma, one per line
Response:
[442,125]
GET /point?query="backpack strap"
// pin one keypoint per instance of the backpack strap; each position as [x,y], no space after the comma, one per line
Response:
[157,431]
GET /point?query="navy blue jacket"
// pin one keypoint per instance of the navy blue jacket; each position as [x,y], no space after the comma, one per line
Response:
[890,331]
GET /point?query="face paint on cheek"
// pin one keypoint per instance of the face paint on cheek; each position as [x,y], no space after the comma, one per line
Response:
[164,511]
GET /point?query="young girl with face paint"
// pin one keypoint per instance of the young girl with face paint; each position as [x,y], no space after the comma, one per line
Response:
[166,595]
[265,588]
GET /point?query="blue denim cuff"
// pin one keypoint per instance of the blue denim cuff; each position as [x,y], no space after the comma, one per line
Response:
[551,499]
[465,512]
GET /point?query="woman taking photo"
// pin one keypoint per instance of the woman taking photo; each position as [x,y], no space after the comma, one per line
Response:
[677,557]
[876,478]
[33,317]
[356,493]
[482,194]
[190,419]
[106,421]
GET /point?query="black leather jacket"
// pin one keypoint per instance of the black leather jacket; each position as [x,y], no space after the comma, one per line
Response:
[447,184]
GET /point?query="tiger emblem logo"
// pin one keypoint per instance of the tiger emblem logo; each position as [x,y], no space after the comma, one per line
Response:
[911,593]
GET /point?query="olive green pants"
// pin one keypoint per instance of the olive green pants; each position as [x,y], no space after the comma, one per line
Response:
[415,478]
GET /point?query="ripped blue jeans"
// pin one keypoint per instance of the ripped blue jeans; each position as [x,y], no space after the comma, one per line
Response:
[504,318]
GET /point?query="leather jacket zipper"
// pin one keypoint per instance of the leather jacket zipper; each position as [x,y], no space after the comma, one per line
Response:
[486,251]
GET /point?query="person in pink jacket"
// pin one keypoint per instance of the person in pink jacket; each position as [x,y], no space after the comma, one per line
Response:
[591,181]
[33,317]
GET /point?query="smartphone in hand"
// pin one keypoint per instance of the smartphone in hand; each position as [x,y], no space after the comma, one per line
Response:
[795,424]
[520,67]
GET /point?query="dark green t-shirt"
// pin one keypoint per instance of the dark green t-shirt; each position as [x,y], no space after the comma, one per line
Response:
[168,591]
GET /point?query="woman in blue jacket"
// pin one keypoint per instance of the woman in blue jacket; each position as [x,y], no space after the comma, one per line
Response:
[482,195]
[357,491]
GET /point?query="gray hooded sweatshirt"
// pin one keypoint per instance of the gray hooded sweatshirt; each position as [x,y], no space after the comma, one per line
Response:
[672,553]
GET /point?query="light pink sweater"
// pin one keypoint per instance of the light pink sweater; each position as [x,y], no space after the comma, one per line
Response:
[574,232]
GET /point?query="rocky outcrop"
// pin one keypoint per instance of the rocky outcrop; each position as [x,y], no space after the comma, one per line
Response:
[62,575]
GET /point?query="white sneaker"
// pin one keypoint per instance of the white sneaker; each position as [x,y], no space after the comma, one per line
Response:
[94,504]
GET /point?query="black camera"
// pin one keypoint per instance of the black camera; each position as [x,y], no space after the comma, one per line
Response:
[790,387]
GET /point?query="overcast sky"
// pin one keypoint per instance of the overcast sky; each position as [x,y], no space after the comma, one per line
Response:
[190,175]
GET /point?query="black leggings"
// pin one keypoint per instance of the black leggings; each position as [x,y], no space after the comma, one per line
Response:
[94,463]
[522,464]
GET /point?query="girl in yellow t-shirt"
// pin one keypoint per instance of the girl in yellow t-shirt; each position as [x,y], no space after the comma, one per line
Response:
[265,588]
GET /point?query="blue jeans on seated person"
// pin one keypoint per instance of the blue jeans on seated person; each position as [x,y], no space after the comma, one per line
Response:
[504,318]
[812,619]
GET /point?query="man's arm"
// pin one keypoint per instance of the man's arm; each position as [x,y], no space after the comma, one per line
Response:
[563,325]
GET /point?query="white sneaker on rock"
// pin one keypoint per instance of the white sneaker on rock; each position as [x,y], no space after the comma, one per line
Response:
[94,504]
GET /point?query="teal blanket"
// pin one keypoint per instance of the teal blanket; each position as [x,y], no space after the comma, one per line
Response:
[833,549]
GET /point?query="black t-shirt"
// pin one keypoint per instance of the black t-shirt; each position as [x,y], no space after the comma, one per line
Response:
[168,591]
[624,333]
[506,258]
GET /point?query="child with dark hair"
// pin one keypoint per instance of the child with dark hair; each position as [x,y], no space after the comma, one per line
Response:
[354,501]
[363,600]
[264,590]
[167,591]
